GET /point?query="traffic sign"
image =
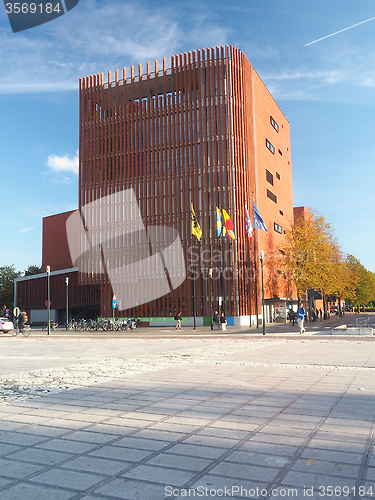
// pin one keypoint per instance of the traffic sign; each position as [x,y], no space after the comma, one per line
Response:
[16,311]
[47,303]
[114,302]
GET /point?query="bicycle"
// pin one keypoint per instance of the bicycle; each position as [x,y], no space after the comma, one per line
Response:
[70,324]
[53,325]
[25,331]
[80,324]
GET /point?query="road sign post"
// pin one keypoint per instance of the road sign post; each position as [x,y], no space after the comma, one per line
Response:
[114,305]
[16,313]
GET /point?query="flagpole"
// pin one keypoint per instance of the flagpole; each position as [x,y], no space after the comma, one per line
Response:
[256,270]
[211,278]
[195,231]
[248,254]
[249,281]
[256,279]
[194,299]
[221,268]
[193,276]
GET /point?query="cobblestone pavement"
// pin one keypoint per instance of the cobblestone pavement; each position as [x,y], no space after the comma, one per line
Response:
[204,417]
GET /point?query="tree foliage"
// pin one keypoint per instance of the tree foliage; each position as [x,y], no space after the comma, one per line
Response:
[311,254]
[31,270]
[314,260]
[7,276]
[363,280]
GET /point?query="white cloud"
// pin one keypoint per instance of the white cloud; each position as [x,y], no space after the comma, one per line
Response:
[61,180]
[26,229]
[63,163]
[110,34]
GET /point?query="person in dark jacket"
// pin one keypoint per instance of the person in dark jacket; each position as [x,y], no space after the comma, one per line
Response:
[292,316]
[178,318]
[216,318]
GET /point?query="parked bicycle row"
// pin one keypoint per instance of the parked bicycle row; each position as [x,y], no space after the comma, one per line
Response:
[103,324]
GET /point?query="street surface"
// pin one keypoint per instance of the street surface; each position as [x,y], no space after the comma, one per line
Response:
[158,415]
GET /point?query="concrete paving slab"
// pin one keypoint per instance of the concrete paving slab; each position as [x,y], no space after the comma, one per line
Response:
[18,470]
[196,450]
[255,458]
[75,447]
[89,437]
[96,465]
[139,443]
[318,481]
[123,488]
[270,448]
[326,467]
[163,475]
[39,456]
[6,449]
[129,455]
[69,479]
[209,486]
[180,462]
[325,444]
[332,456]
[34,492]
[245,471]
[20,438]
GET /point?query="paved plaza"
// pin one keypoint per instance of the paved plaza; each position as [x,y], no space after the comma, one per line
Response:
[186,417]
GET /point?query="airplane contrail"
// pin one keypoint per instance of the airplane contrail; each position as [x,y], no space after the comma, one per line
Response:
[354,25]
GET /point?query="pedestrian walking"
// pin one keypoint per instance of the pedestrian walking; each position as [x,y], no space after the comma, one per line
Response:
[301,314]
[178,318]
[216,318]
[292,316]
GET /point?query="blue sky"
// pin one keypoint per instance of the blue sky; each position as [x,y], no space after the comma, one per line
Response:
[326,90]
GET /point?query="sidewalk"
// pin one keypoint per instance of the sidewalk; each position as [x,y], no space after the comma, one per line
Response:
[210,416]
[312,328]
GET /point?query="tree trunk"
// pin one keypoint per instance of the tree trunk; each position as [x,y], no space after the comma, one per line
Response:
[325,306]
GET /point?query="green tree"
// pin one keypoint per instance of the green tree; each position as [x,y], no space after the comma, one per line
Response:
[31,270]
[365,283]
[7,276]
[346,280]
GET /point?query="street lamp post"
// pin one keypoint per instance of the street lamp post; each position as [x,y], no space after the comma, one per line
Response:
[67,301]
[48,269]
[261,257]
[210,273]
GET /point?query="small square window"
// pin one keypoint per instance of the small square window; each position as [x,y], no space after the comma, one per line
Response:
[269,177]
[281,212]
[274,124]
[282,252]
[277,176]
[271,196]
[280,153]
[270,146]
[278,228]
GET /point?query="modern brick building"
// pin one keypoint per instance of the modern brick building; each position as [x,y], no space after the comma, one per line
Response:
[204,131]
